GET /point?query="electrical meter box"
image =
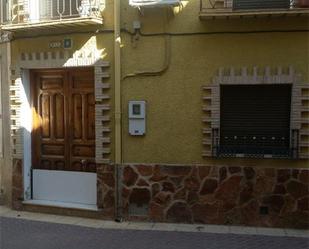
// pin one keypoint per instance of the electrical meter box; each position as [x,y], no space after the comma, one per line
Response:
[137,118]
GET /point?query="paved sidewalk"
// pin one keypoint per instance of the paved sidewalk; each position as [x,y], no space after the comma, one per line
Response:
[24,230]
[93,223]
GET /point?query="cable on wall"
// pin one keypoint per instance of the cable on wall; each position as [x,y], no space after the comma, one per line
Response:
[110,31]
[161,71]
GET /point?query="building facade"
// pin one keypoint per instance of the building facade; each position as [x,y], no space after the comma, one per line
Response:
[181,111]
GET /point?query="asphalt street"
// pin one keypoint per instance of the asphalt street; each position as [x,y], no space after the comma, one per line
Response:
[25,234]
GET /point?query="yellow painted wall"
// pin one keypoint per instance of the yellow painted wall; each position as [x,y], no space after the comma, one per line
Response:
[174,100]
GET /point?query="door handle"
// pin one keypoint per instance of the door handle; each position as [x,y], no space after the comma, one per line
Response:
[84,164]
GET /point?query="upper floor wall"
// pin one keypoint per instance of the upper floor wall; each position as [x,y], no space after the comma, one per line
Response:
[155,15]
[193,16]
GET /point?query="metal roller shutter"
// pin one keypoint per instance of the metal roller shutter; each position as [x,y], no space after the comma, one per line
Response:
[261,4]
[255,119]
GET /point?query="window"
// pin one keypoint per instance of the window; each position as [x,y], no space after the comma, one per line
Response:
[255,112]
[255,120]
[261,4]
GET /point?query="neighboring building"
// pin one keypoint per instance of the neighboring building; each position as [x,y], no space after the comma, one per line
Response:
[191,111]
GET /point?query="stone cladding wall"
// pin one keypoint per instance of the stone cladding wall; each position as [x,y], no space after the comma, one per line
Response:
[250,196]
[17,184]
[106,189]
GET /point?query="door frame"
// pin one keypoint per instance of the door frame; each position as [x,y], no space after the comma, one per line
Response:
[67,75]
[83,185]
[33,92]
[20,76]
[26,116]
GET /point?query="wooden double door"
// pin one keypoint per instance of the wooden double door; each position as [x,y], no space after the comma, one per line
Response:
[63,105]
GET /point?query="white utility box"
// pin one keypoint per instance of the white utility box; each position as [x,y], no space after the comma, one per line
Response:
[153,3]
[137,118]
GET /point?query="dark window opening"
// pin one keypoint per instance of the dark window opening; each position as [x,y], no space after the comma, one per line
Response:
[261,4]
[255,120]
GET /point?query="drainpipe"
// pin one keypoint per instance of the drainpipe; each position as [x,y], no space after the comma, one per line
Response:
[118,146]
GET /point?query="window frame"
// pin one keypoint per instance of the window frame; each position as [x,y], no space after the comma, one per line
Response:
[267,75]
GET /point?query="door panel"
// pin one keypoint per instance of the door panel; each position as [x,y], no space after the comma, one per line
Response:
[63,137]
[77,116]
[59,116]
[45,114]
[82,150]
[49,150]
[91,116]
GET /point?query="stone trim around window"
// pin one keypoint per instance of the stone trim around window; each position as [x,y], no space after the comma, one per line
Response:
[59,59]
[299,104]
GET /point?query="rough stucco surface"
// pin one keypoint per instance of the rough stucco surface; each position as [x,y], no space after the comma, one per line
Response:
[174,99]
[218,195]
